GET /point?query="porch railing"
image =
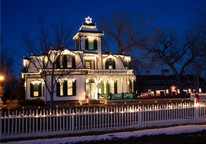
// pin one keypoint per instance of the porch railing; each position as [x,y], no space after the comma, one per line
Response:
[111,72]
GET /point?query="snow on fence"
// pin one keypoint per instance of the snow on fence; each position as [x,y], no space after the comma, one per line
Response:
[43,123]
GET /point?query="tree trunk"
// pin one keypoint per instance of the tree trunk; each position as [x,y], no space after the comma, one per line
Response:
[178,76]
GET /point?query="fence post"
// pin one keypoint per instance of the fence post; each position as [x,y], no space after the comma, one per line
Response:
[72,122]
[0,124]
[140,118]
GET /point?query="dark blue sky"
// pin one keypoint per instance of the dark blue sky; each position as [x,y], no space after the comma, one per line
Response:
[17,15]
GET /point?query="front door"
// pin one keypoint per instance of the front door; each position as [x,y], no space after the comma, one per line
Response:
[91,90]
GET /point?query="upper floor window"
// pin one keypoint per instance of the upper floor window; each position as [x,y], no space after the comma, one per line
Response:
[89,64]
[110,63]
[65,61]
[90,43]
[127,64]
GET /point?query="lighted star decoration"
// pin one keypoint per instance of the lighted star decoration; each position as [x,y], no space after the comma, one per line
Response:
[88,20]
[173,88]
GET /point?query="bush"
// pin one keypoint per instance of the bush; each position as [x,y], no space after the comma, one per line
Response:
[37,102]
[40,102]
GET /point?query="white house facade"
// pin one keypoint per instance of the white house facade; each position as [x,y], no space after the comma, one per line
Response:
[86,73]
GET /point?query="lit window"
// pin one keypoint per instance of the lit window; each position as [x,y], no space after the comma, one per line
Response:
[61,89]
[36,93]
[200,90]
[167,91]
[110,64]
[189,90]
[178,90]
[112,87]
[69,85]
[91,44]
[88,87]
[69,61]
[88,65]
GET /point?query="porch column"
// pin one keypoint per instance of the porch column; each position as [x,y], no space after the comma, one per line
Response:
[132,85]
[122,84]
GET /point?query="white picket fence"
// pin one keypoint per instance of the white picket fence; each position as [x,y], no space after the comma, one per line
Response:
[43,123]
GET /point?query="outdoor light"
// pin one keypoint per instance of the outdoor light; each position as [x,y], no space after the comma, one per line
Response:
[1,78]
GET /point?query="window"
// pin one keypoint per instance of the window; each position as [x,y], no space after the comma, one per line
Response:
[66,88]
[178,90]
[88,65]
[36,92]
[200,90]
[167,91]
[91,43]
[88,87]
[112,88]
[189,90]
[35,89]
[69,61]
[110,63]
[69,84]
[61,89]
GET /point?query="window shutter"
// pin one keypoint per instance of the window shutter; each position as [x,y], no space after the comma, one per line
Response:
[39,89]
[102,88]
[74,88]
[93,64]
[106,64]
[95,44]
[58,89]
[113,64]
[129,67]
[65,88]
[86,44]
[65,61]
[73,62]
[43,90]
[84,63]
[108,88]
[115,87]
[58,62]
[31,90]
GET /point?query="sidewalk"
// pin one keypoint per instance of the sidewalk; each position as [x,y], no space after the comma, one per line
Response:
[168,131]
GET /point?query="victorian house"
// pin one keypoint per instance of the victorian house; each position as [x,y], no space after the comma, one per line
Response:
[88,73]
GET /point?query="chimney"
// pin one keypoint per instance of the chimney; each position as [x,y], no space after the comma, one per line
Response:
[165,72]
[61,47]
[147,73]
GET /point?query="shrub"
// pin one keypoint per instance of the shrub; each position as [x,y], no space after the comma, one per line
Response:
[37,102]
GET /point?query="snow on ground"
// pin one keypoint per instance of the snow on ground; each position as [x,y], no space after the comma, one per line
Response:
[169,130]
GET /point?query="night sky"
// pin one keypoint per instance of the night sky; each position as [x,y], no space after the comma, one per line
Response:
[17,15]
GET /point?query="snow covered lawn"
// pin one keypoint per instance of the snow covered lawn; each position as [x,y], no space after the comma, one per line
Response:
[139,133]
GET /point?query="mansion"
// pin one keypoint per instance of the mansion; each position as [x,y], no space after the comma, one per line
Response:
[83,73]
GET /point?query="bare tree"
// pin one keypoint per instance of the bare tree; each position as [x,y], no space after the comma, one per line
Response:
[128,32]
[176,51]
[43,58]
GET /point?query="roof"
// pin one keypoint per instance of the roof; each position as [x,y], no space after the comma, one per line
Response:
[164,80]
